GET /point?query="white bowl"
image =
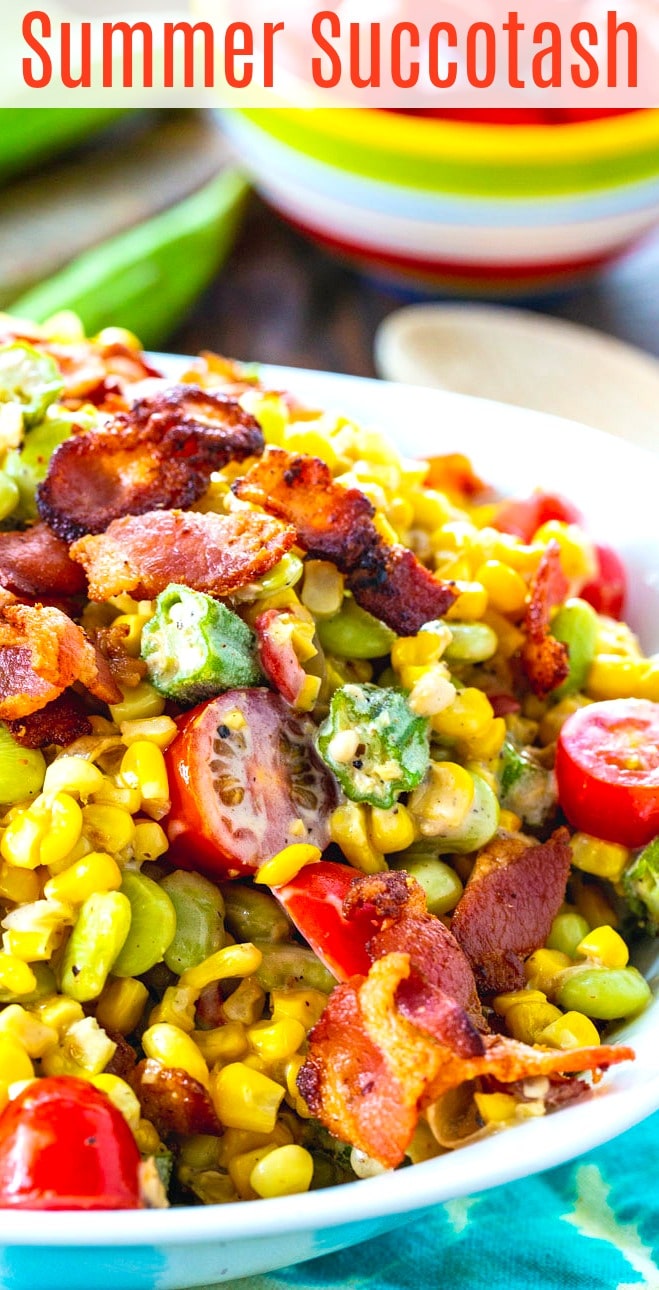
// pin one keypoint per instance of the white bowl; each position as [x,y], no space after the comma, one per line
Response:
[616,485]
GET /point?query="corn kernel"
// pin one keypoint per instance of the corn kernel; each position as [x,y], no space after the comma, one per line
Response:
[223,1044]
[150,841]
[305,1006]
[95,872]
[86,1044]
[72,774]
[35,931]
[176,1008]
[232,960]
[605,946]
[604,859]
[115,792]
[495,1108]
[241,1167]
[172,1047]
[143,767]
[502,1003]
[593,904]
[286,1171]
[16,976]
[349,830]
[122,1096]
[544,967]
[470,604]
[245,1098]
[510,638]
[506,589]
[27,1030]
[432,692]
[322,592]
[121,1004]
[526,1021]
[59,1011]
[146,1137]
[468,716]
[138,703]
[419,650]
[157,730]
[578,560]
[108,828]
[554,719]
[444,799]
[432,509]
[393,829]
[245,1003]
[276,1040]
[21,886]
[14,1061]
[510,822]
[287,864]
[485,747]
[571,1030]
[21,841]
[62,825]
[58,1062]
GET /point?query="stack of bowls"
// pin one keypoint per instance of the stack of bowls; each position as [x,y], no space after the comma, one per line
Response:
[458,206]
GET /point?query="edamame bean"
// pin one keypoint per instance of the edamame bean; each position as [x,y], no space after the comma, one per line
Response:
[576,625]
[353,633]
[479,826]
[96,940]
[253,915]
[199,911]
[9,496]
[284,575]
[286,966]
[439,881]
[566,931]
[603,993]
[471,643]
[22,770]
[152,927]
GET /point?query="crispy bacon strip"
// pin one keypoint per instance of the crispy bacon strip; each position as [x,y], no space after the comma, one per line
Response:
[173,1101]
[544,659]
[217,554]
[378,1057]
[36,563]
[336,523]
[60,722]
[514,893]
[159,455]
[42,653]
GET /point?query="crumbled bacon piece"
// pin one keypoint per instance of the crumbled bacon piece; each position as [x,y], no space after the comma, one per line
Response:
[173,1101]
[36,563]
[42,653]
[453,473]
[336,523]
[159,455]
[217,554]
[381,1054]
[60,722]
[544,659]
[515,890]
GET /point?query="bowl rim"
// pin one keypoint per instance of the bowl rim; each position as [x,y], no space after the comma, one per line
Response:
[608,1113]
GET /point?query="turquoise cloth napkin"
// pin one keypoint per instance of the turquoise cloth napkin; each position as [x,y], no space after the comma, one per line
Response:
[590,1225]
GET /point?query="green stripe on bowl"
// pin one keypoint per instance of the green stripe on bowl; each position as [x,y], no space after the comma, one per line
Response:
[471,160]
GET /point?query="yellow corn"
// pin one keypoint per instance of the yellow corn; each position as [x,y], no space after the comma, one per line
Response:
[510,638]
[431,508]
[467,717]
[304,1006]
[223,1044]
[287,863]
[291,1071]
[176,1008]
[613,677]
[241,1167]
[35,931]
[146,1137]
[16,975]
[231,961]
[275,1041]
[59,1011]
[432,691]
[172,1047]
[130,626]
[245,1003]
[502,1003]
[143,767]
[107,335]
[108,828]
[150,841]
[604,859]
[72,774]
[14,1061]
[614,637]
[87,1044]
[322,592]
[30,1031]
[140,702]
[444,799]
[95,872]
[572,1030]
[554,719]
[122,1096]
[63,828]
[577,556]
[391,830]
[58,1062]
[495,1108]
[157,730]
[593,904]
[419,650]
[286,1171]
[485,747]
[245,1098]
[544,967]
[21,886]
[349,830]
[311,442]
[470,604]
[606,946]
[509,821]
[44,833]
[506,589]
[121,1004]
[116,792]
[526,1021]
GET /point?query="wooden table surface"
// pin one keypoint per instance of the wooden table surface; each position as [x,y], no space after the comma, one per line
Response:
[279,299]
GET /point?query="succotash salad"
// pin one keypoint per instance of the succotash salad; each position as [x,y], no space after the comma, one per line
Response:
[329,785]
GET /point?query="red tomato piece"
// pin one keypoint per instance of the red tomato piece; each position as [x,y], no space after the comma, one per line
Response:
[277,655]
[608,590]
[524,517]
[314,901]
[607,767]
[243,772]
[63,1145]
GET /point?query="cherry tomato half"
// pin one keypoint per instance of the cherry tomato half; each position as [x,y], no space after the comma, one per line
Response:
[277,655]
[243,774]
[524,517]
[607,767]
[63,1145]
[314,901]
[608,590]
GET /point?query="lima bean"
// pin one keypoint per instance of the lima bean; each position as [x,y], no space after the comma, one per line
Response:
[286,965]
[152,926]
[439,881]
[471,643]
[253,915]
[95,942]
[199,909]
[353,633]
[607,994]
[566,932]
[576,625]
